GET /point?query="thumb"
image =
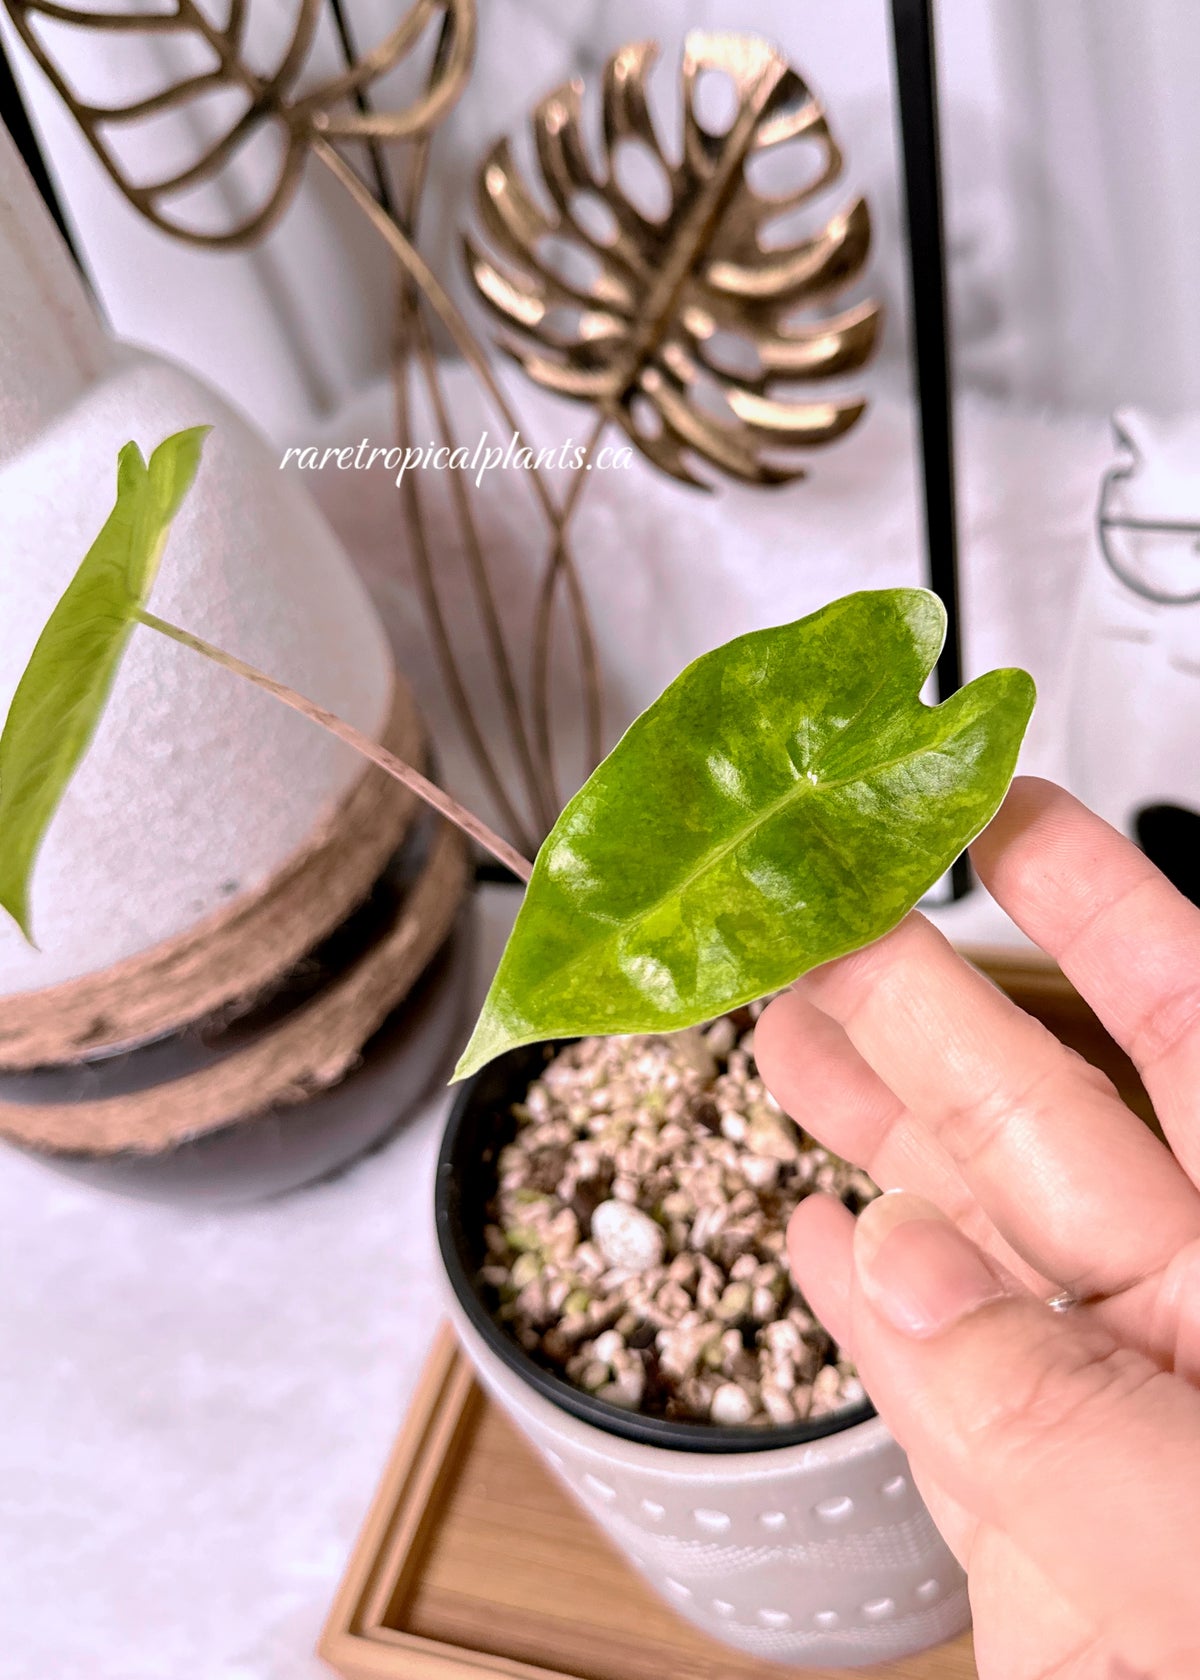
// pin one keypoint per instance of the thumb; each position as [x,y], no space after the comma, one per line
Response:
[1085,1454]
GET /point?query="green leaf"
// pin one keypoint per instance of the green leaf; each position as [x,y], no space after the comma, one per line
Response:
[789,798]
[62,694]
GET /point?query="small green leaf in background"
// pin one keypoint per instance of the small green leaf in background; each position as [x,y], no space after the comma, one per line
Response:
[789,798]
[62,694]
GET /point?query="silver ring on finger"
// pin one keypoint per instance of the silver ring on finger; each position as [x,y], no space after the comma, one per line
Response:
[1063,1302]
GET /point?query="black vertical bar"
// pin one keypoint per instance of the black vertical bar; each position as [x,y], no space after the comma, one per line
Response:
[916,86]
[16,119]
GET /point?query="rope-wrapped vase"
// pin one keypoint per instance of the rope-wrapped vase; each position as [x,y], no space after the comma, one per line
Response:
[270,1042]
[243,971]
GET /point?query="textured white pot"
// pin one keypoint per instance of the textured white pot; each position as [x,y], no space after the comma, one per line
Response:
[821,1554]
[197,787]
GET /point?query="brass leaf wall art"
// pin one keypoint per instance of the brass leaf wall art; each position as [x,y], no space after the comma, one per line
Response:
[644,338]
[333,109]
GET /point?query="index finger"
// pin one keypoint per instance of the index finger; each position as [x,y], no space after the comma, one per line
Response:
[1078,1186]
[1120,932]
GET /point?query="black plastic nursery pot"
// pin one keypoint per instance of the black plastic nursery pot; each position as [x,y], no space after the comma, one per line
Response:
[481,1122]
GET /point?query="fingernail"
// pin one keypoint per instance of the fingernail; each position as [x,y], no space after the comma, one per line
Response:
[917,1269]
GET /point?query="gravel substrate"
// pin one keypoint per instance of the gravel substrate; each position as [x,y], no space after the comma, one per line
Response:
[637,1242]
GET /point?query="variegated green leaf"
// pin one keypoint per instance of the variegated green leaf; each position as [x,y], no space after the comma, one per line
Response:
[789,798]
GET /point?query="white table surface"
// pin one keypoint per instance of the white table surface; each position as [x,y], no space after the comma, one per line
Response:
[195,1407]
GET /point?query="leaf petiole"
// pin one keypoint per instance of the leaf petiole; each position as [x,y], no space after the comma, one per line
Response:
[387,761]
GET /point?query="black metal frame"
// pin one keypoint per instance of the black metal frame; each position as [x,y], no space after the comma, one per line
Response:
[15,118]
[916,88]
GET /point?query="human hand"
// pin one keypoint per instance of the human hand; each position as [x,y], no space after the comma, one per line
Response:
[1059,1452]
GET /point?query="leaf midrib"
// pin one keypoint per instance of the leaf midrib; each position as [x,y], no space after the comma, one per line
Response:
[799,789]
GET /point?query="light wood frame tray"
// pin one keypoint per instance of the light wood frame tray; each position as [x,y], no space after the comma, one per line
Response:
[475,1562]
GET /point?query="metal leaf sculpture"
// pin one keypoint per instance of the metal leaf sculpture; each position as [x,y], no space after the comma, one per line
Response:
[643,332]
[333,109]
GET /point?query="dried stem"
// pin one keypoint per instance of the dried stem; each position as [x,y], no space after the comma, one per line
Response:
[345,35]
[559,565]
[440,301]
[419,272]
[540,792]
[409,316]
[411,322]
[440,634]
[363,744]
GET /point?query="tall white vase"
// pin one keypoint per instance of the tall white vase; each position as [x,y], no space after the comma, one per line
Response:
[197,786]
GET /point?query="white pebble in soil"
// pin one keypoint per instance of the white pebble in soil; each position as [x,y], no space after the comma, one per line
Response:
[627,1237]
[731,1405]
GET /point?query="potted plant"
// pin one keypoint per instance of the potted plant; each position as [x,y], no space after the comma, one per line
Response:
[786,800]
[719,1439]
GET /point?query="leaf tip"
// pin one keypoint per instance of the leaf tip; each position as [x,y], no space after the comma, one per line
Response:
[926,607]
[174,465]
[189,438]
[131,468]
[1019,688]
[488,1041]
[16,903]
[471,1062]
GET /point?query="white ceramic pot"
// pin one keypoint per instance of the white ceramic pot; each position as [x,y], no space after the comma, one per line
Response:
[819,1552]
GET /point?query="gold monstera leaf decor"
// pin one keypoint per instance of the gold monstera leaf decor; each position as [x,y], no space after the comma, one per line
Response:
[257,99]
[688,328]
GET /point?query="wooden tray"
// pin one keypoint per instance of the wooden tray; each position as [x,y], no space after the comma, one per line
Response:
[474,1561]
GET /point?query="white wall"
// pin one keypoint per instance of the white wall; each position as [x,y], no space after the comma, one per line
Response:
[1099,97]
